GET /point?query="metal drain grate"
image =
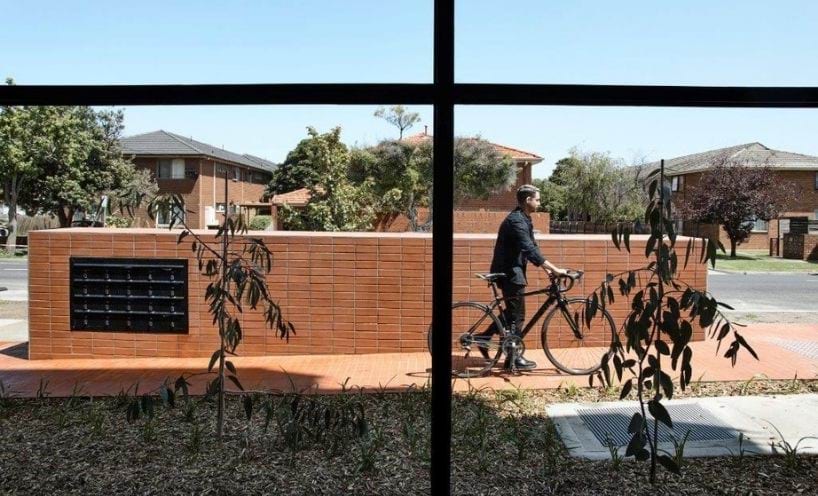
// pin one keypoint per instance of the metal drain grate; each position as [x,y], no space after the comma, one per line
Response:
[613,422]
[807,348]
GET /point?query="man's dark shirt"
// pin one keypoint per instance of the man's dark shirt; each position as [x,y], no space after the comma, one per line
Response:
[515,247]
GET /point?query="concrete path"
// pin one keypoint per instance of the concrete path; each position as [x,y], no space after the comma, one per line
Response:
[715,425]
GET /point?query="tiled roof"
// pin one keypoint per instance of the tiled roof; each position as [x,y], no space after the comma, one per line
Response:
[749,154]
[163,143]
[297,198]
[518,155]
[262,162]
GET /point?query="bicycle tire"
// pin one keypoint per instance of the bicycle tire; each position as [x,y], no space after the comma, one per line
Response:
[468,320]
[568,353]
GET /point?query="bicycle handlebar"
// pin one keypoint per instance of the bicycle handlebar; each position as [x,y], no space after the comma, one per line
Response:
[570,279]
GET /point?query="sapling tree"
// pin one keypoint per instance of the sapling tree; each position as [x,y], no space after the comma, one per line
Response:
[236,265]
[659,326]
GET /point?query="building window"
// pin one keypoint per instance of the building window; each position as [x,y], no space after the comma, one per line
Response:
[165,215]
[220,208]
[168,168]
[677,183]
[236,174]
[760,225]
[259,178]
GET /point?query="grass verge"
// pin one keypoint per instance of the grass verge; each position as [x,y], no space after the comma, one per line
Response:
[760,261]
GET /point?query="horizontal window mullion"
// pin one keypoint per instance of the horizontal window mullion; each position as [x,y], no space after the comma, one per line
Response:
[420,94]
[655,96]
[220,94]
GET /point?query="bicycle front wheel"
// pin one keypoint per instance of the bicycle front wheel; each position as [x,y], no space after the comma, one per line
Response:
[474,352]
[571,344]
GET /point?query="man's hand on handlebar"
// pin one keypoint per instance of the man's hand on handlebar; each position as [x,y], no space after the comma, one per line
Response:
[553,269]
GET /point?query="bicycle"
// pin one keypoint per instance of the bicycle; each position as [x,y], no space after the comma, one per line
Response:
[572,344]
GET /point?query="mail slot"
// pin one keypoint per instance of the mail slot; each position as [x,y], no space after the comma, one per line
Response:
[129,295]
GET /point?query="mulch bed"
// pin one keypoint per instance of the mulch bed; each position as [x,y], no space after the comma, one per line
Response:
[503,444]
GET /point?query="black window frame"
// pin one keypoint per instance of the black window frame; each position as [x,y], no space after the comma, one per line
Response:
[443,94]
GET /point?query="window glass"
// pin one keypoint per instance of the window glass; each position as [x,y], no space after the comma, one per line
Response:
[254,41]
[696,42]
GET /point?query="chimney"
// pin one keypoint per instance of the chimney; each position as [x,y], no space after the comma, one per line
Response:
[425,130]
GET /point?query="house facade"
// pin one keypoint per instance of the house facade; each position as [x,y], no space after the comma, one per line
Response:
[685,173]
[196,171]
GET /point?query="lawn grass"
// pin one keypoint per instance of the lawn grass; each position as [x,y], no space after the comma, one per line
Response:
[760,261]
[502,443]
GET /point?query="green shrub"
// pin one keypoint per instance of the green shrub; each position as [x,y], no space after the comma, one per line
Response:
[260,222]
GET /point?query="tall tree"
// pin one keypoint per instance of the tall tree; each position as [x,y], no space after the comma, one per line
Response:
[401,173]
[336,203]
[595,187]
[298,171]
[77,151]
[734,195]
[17,167]
[399,117]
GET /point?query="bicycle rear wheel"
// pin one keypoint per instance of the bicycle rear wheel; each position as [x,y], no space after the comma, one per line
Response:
[581,352]
[469,321]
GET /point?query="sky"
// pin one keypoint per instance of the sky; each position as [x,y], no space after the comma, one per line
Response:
[753,43]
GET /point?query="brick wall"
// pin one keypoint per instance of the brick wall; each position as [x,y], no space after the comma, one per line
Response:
[474,221]
[344,292]
[801,246]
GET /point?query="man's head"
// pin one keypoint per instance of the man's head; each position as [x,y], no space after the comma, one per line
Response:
[528,198]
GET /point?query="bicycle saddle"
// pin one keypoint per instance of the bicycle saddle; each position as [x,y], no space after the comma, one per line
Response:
[491,277]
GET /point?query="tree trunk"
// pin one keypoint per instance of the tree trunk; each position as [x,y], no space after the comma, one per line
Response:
[11,192]
[733,248]
[65,217]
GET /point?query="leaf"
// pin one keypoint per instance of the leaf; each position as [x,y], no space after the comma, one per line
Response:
[628,239]
[669,464]
[659,412]
[650,246]
[235,381]
[642,455]
[213,359]
[248,406]
[662,347]
[636,443]
[182,236]
[230,367]
[626,390]
[742,342]
[667,385]
[636,423]
[615,237]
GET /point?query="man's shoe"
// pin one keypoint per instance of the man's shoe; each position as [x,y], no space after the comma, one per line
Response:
[521,364]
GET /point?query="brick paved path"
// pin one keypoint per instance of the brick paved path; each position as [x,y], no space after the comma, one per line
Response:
[785,350]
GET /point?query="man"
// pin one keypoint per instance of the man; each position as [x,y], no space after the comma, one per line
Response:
[514,248]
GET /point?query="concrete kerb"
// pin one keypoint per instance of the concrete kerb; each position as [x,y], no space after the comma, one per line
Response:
[756,417]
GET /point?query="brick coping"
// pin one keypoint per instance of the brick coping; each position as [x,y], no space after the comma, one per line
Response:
[323,234]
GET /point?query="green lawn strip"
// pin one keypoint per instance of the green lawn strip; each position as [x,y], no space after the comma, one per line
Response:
[760,261]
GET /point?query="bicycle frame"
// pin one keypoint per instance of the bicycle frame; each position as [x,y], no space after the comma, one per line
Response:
[554,296]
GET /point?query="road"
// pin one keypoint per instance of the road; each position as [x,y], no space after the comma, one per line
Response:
[14,277]
[768,297]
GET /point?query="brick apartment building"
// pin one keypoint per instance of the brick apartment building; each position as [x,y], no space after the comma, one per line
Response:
[685,173]
[196,171]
